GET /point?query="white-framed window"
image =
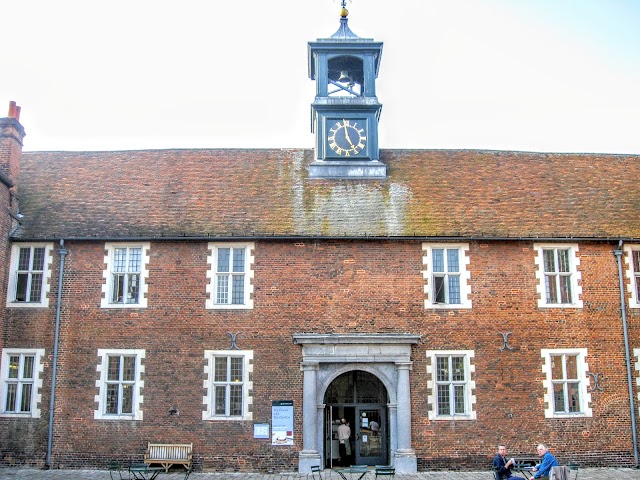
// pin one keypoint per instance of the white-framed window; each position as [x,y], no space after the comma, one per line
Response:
[230,275]
[446,274]
[30,275]
[21,382]
[558,276]
[450,385]
[125,275]
[119,384]
[632,259]
[228,385]
[565,382]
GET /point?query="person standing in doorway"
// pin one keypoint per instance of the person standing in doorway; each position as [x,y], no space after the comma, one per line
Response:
[374,426]
[344,433]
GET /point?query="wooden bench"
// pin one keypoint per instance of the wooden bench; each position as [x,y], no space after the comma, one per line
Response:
[168,454]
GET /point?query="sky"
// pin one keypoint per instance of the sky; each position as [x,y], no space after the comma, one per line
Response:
[526,75]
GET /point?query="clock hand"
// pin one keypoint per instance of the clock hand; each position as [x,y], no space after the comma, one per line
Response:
[346,134]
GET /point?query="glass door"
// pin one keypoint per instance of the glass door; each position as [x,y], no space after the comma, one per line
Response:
[371,436]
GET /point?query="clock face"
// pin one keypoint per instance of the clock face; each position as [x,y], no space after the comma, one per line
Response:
[347,137]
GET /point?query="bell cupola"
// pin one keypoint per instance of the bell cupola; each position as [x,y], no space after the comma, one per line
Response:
[346,111]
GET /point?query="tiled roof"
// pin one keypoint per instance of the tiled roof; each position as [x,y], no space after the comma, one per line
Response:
[267,192]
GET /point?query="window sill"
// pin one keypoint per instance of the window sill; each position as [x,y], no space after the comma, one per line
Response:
[27,304]
[18,415]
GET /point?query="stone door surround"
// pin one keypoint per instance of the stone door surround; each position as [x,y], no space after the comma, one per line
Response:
[326,356]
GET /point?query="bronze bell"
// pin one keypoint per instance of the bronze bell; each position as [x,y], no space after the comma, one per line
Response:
[344,76]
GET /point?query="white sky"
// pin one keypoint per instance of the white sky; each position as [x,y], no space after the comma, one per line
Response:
[533,75]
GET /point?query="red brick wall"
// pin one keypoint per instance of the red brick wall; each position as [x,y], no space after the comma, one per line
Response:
[5,225]
[325,287]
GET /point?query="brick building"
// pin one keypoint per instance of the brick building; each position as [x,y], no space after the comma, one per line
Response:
[458,299]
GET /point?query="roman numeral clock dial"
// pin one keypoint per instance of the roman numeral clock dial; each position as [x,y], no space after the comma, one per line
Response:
[347,138]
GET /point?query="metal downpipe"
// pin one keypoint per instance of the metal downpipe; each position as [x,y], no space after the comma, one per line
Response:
[618,253]
[63,253]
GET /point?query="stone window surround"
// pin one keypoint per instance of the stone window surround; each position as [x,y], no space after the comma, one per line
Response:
[470,398]
[576,277]
[583,368]
[46,277]
[248,280]
[247,393]
[101,368]
[105,301]
[327,356]
[634,301]
[38,369]
[465,276]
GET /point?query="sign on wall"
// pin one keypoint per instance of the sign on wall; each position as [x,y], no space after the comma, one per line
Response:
[261,430]
[282,422]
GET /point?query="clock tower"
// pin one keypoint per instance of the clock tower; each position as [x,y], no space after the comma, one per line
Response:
[346,110]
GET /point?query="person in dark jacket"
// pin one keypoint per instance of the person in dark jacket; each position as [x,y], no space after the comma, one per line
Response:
[502,466]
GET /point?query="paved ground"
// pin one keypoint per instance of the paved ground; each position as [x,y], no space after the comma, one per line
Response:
[18,473]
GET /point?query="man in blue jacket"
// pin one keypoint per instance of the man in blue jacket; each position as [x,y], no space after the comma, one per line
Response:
[543,469]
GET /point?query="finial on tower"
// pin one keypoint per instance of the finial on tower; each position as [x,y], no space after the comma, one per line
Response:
[344,12]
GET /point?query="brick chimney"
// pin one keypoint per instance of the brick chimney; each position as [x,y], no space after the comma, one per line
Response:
[11,136]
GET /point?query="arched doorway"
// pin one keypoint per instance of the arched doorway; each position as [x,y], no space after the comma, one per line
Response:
[360,398]
[325,357]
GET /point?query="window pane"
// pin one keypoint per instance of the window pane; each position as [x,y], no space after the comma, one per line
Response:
[635,255]
[549,260]
[10,405]
[135,259]
[223,289]
[454,289]
[223,259]
[220,369]
[14,366]
[438,290]
[236,369]
[38,259]
[563,260]
[127,399]
[235,407]
[133,290]
[119,260]
[113,368]
[25,400]
[565,289]
[23,258]
[238,260]
[556,367]
[443,369]
[551,289]
[457,365]
[459,398]
[438,260]
[118,288]
[238,290]
[558,397]
[128,369]
[574,396]
[21,287]
[452,260]
[36,287]
[572,367]
[444,407]
[112,399]
[27,369]
[219,399]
